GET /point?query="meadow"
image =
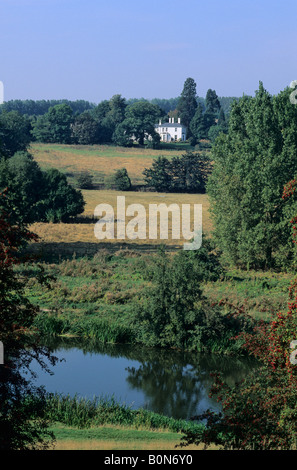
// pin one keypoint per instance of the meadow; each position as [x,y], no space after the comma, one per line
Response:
[94,284]
[101,160]
[96,280]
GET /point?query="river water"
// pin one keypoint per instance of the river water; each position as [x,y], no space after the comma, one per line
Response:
[172,383]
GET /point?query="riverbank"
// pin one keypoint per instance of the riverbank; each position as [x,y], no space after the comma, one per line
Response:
[82,424]
[110,437]
[95,297]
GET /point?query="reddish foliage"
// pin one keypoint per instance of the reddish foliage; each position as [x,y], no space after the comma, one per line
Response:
[260,413]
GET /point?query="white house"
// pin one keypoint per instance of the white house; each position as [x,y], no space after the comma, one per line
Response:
[171,131]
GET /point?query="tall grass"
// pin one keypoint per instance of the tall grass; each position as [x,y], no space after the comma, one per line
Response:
[94,328]
[83,413]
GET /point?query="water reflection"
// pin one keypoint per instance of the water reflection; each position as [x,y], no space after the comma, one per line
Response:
[171,382]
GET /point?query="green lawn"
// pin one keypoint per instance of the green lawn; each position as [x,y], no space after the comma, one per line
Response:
[115,438]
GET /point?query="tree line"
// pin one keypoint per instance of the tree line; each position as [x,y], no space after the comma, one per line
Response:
[118,121]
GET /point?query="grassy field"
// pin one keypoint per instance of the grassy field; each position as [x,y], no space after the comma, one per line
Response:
[117,438]
[80,286]
[100,160]
[80,238]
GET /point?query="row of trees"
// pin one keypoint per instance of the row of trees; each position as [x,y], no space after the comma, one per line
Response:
[259,412]
[185,174]
[40,107]
[116,120]
[111,121]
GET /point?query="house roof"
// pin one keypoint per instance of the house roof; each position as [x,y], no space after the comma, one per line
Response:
[169,124]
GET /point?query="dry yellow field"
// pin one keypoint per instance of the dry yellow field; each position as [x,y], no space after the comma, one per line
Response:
[80,237]
[99,160]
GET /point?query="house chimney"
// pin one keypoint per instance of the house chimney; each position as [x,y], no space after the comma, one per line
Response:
[172,120]
[178,120]
[160,122]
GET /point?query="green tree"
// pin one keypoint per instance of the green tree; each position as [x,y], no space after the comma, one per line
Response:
[168,317]
[173,311]
[159,175]
[198,125]
[220,126]
[59,199]
[24,180]
[22,404]
[122,180]
[60,118]
[15,133]
[55,125]
[109,114]
[122,135]
[140,119]
[85,130]
[212,102]
[41,129]
[85,180]
[251,166]
[187,103]
[35,195]
[259,413]
[117,108]
[187,173]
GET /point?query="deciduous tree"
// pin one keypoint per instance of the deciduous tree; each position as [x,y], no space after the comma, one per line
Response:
[251,165]
[22,404]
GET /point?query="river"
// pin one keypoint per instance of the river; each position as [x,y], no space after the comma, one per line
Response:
[172,383]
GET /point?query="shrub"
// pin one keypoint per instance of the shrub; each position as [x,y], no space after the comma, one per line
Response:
[60,200]
[119,181]
[85,180]
[173,312]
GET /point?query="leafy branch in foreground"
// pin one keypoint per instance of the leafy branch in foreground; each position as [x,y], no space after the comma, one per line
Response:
[260,412]
[21,347]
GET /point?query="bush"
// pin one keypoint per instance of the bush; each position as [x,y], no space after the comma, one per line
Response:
[173,311]
[119,181]
[60,200]
[85,180]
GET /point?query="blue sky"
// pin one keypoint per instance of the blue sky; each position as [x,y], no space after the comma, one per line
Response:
[93,49]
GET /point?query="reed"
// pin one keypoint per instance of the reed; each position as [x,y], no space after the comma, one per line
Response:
[83,413]
[96,328]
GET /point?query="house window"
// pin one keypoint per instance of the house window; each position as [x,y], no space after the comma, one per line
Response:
[176,129]
[175,138]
